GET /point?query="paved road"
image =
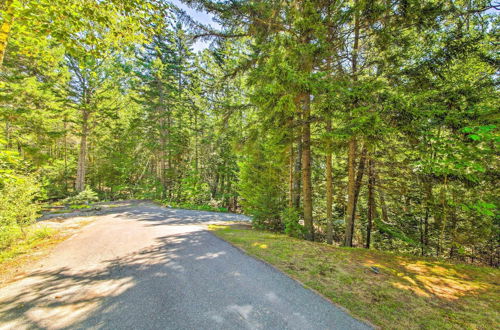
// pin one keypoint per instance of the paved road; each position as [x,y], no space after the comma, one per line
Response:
[147,267]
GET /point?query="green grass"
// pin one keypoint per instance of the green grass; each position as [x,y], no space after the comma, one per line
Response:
[35,237]
[69,209]
[79,206]
[409,292]
[189,206]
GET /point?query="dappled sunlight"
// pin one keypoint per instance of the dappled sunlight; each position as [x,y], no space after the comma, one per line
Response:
[449,288]
[427,279]
[272,297]
[72,305]
[60,316]
[171,216]
[372,263]
[58,299]
[413,288]
[433,280]
[244,311]
[261,245]
[211,255]
[61,297]
[430,268]
[396,290]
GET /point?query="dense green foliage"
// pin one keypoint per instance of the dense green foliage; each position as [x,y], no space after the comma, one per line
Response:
[374,122]
[18,191]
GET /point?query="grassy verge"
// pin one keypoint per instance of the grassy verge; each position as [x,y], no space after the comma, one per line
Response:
[26,250]
[34,239]
[189,206]
[37,243]
[408,292]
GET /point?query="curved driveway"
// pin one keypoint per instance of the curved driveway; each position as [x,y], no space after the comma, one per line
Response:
[141,266]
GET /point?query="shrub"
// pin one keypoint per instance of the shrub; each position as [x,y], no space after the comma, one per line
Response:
[262,195]
[17,207]
[84,197]
[291,217]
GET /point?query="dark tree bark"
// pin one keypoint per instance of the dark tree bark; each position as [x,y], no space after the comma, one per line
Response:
[359,176]
[306,166]
[297,171]
[290,175]
[351,188]
[351,207]
[351,157]
[329,189]
[371,201]
[82,155]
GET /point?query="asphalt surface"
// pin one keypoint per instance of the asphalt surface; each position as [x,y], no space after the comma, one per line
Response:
[142,266]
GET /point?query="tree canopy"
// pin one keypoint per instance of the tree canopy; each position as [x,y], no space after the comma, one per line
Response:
[362,123]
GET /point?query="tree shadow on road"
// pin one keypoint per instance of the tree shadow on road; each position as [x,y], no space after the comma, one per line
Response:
[169,216]
[146,289]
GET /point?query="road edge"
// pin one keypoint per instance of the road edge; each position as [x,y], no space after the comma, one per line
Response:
[348,312]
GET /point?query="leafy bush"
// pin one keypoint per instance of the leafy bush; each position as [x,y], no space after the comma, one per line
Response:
[42,233]
[291,217]
[34,237]
[194,190]
[84,197]
[17,207]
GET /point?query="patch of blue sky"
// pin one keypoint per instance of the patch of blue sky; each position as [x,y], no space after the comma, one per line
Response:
[199,16]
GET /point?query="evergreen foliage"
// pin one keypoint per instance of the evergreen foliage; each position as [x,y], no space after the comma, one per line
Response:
[372,122]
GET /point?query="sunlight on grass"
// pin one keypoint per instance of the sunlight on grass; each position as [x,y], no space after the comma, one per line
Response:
[217,227]
[408,293]
[262,246]
[38,242]
[34,238]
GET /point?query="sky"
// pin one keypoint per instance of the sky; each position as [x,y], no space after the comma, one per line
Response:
[201,17]
[206,19]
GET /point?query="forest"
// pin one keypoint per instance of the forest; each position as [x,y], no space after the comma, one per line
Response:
[359,123]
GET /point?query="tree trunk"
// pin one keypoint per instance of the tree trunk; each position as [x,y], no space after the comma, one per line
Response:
[351,213]
[161,154]
[170,177]
[351,187]
[381,196]
[422,237]
[8,20]
[222,190]
[444,217]
[306,167]
[429,209]
[329,189]
[82,156]
[371,200]
[351,157]
[359,176]
[297,172]
[215,185]
[65,146]
[162,169]
[196,141]
[290,175]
